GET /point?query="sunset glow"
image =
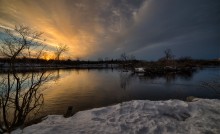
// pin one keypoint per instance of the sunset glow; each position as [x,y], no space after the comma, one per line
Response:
[109,66]
[48,57]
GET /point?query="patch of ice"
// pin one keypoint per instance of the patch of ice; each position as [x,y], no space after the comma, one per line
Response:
[139,116]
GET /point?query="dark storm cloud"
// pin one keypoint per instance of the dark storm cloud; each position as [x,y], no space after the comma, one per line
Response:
[189,25]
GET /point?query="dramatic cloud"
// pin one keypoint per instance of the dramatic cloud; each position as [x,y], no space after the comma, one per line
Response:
[107,28]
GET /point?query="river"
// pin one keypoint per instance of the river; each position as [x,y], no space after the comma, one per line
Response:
[85,89]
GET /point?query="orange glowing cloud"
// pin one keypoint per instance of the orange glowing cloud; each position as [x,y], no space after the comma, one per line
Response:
[87,27]
[55,20]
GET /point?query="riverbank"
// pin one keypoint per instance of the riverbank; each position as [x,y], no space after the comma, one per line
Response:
[138,116]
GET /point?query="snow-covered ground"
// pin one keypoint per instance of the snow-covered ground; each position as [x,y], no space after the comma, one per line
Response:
[139,116]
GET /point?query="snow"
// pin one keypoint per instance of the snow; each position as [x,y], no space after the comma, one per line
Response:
[139,70]
[138,116]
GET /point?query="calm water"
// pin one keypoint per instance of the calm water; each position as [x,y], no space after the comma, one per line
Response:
[86,89]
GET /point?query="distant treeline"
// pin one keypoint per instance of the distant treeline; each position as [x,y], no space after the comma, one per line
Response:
[180,61]
[64,62]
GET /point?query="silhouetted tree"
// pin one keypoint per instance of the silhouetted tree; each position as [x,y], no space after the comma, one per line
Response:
[19,97]
[168,54]
[19,94]
[21,41]
[168,58]
[59,50]
[124,57]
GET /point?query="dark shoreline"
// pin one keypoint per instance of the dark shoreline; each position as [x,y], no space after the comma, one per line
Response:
[148,70]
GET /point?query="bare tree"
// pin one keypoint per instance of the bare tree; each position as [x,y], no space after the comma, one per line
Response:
[168,58]
[168,54]
[21,41]
[59,50]
[19,97]
[128,61]
[124,57]
[19,94]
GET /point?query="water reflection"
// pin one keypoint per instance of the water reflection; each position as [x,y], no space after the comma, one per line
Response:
[213,85]
[20,96]
[169,76]
[85,89]
[126,78]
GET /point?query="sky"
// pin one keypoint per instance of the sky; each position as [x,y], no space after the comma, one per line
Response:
[95,29]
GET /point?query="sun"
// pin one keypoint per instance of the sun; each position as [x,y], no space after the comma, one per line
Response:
[48,57]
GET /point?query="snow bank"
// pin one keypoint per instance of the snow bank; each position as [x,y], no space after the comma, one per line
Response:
[141,116]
